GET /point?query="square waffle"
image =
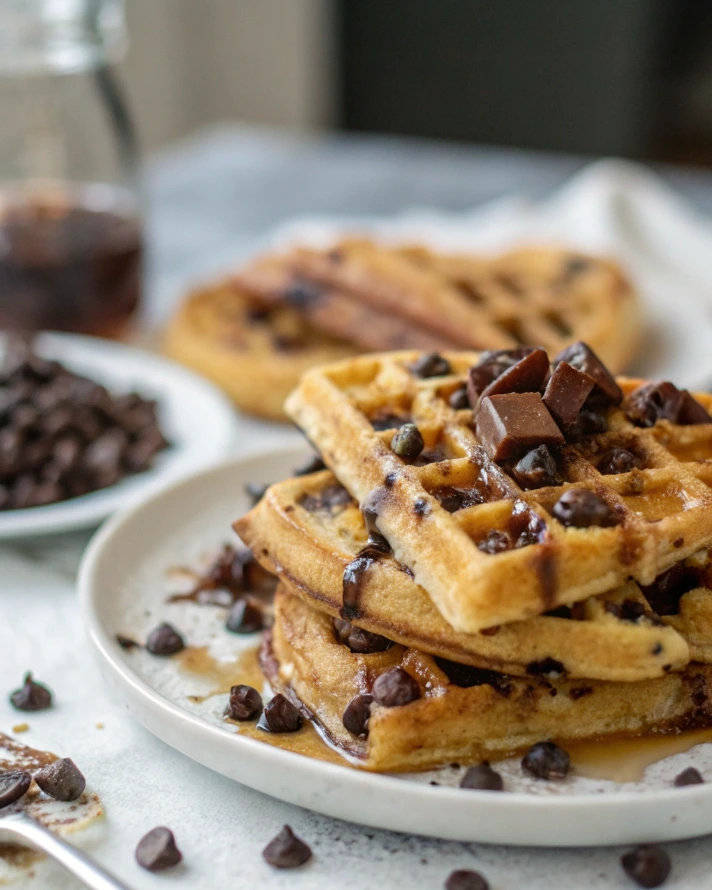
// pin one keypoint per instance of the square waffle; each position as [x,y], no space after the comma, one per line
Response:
[663,508]
[461,714]
[309,532]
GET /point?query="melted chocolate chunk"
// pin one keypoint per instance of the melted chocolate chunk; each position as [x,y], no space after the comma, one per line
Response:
[465,879]
[590,423]
[546,760]
[407,442]
[375,538]
[280,715]
[14,784]
[537,469]
[329,499]
[286,850]
[31,696]
[492,364]
[482,778]
[358,640]
[431,365]
[454,499]
[566,394]
[547,667]
[165,640]
[395,688]
[665,593]
[652,402]
[157,850]
[245,703]
[581,508]
[353,580]
[582,358]
[357,715]
[689,776]
[617,460]
[62,780]
[466,676]
[647,865]
[509,425]
[245,617]
[459,400]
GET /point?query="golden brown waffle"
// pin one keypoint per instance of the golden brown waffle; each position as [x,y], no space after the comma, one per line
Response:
[663,509]
[488,714]
[308,530]
[255,353]
[383,298]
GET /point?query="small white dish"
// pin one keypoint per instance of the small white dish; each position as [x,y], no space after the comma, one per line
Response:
[199,422]
[123,589]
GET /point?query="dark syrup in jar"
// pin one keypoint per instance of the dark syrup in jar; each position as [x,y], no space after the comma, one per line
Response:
[68,266]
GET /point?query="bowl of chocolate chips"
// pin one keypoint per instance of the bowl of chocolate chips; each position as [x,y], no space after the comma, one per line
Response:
[88,425]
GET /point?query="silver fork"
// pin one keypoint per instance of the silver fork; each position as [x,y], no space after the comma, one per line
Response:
[22,828]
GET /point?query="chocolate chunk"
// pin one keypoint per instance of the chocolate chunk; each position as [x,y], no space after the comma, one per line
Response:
[466,676]
[526,375]
[62,780]
[165,640]
[617,460]
[157,850]
[31,696]
[454,499]
[407,442]
[492,364]
[395,688]
[509,425]
[689,776]
[589,423]
[566,394]
[581,508]
[536,469]
[14,784]
[546,667]
[314,465]
[280,715]
[582,358]
[286,850]
[464,879]
[358,640]
[431,365]
[666,591]
[357,714]
[459,400]
[652,402]
[546,760]
[245,703]
[482,778]
[647,865]
[246,617]
[255,491]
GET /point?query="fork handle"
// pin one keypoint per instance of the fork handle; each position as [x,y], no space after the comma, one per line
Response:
[24,828]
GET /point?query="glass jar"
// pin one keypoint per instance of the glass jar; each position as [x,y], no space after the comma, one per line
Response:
[70,231]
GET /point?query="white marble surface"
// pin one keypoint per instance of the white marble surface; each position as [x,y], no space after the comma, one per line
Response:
[212,199]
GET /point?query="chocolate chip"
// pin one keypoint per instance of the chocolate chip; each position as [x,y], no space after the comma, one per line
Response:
[492,364]
[357,714]
[431,365]
[245,617]
[509,425]
[482,778]
[647,865]
[692,412]
[582,358]
[459,399]
[407,442]
[566,394]
[280,715]
[581,508]
[652,402]
[589,423]
[546,760]
[665,593]
[165,640]
[526,375]
[454,499]
[286,850]
[255,491]
[62,780]
[14,784]
[395,688]
[464,879]
[617,460]
[157,850]
[31,696]
[546,667]
[245,703]
[375,539]
[689,776]
[536,469]
[358,640]
[315,464]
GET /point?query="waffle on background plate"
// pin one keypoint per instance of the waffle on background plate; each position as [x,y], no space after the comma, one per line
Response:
[257,331]
[581,505]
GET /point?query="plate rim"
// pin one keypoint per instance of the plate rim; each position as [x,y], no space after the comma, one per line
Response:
[118,671]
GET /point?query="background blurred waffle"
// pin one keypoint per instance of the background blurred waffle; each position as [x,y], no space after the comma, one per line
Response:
[256,332]
[499,554]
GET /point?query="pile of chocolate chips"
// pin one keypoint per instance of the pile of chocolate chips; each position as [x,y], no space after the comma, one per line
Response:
[63,435]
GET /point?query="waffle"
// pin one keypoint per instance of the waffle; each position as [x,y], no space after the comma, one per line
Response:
[662,509]
[256,354]
[384,298]
[487,715]
[308,531]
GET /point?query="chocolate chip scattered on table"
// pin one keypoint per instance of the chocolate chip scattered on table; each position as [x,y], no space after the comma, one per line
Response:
[286,850]
[157,850]
[31,696]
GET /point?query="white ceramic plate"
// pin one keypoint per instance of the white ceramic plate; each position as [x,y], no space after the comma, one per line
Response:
[124,585]
[196,418]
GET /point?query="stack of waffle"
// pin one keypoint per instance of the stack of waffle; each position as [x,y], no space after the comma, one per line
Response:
[257,331]
[502,551]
